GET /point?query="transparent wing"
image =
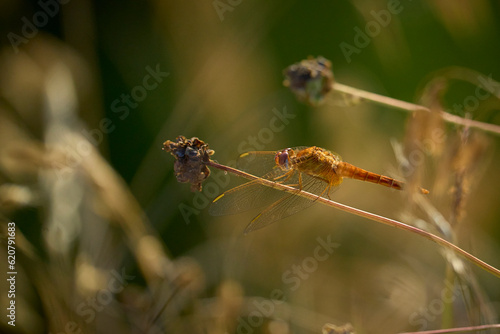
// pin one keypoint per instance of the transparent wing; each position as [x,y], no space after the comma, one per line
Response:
[256,162]
[289,204]
[259,162]
[250,195]
[253,195]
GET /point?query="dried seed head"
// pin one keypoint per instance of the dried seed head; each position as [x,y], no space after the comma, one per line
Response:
[310,80]
[191,156]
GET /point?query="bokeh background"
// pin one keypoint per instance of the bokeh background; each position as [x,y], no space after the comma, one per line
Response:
[83,78]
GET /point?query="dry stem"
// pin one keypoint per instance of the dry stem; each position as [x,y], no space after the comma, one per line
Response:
[365,214]
[402,105]
[456,330]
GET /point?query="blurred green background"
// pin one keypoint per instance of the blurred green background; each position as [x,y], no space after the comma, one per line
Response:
[224,62]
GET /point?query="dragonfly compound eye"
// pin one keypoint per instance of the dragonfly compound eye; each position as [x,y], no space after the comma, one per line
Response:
[282,159]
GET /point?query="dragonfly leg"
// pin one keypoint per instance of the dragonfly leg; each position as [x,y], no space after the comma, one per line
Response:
[288,175]
[328,192]
[296,184]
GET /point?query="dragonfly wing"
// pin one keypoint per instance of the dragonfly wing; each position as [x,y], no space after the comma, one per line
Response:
[256,162]
[259,162]
[299,148]
[288,205]
[250,195]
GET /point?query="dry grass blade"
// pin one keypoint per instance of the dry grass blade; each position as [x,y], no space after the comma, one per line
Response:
[380,219]
[198,161]
[311,80]
[457,330]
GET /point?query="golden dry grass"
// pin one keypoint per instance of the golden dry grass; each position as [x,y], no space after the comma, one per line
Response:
[102,245]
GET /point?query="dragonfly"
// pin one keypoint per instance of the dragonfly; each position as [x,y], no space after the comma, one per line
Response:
[311,169]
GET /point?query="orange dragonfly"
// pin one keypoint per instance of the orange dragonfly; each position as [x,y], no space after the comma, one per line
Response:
[312,169]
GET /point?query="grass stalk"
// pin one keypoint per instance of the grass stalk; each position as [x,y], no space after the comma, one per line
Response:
[407,106]
[380,219]
[456,330]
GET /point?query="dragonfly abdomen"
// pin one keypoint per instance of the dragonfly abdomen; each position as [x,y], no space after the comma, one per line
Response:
[347,170]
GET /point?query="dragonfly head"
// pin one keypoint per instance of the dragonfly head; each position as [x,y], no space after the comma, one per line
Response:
[282,158]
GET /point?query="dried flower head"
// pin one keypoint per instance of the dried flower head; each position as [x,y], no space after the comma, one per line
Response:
[310,80]
[191,156]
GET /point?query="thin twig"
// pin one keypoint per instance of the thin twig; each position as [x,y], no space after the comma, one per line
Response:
[456,330]
[361,213]
[402,105]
